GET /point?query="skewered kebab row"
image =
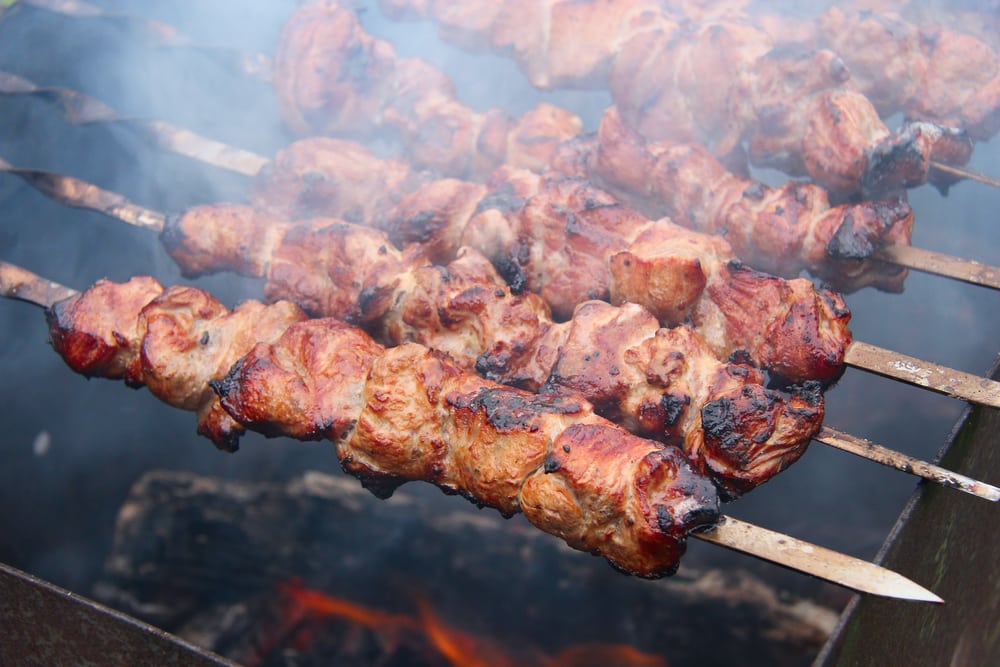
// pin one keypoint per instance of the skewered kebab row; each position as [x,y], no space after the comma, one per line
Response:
[569,242]
[18,283]
[332,77]
[138,332]
[719,83]
[926,71]
[395,415]
[545,139]
[661,383]
[784,230]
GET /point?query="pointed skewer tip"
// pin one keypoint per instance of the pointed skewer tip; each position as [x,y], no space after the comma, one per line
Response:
[793,553]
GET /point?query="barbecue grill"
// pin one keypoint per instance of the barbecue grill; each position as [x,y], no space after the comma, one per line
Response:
[73,448]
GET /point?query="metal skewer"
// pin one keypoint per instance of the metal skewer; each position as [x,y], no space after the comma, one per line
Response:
[81,109]
[814,560]
[77,193]
[832,566]
[260,66]
[939,264]
[80,194]
[966,173]
[926,374]
[875,452]
[158,33]
[23,285]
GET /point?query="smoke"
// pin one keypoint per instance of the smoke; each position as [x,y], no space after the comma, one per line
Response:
[57,511]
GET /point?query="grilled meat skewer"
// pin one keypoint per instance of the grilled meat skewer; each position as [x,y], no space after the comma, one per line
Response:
[566,241]
[653,380]
[783,231]
[927,71]
[325,177]
[18,283]
[395,415]
[642,520]
[315,71]
[670,83]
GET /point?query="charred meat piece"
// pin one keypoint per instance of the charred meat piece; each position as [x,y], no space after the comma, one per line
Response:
[465,309]
[558,237]
[171,340]
[783,230]
[395,415]
[571,242]
[715,78]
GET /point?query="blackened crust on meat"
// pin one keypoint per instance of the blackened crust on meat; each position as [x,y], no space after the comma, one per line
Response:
[848,244]
[720,418]
[809,392]
[673,407]
[894,165]
[229,384]
[859,235]
[503,199]
[224,434]
[737,427]
[509,411]
[379,484]
[491,366]
[513,273]
[420,227]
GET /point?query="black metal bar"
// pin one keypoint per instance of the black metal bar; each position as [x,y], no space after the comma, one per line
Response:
[951,542]
[43,624]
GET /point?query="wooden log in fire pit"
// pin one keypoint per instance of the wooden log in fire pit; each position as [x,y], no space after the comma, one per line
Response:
[269,573]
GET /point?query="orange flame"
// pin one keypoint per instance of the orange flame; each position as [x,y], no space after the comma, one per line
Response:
[458,648]
[599,655]
[322,604]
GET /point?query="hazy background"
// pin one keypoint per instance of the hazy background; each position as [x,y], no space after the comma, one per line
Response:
[70,448]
